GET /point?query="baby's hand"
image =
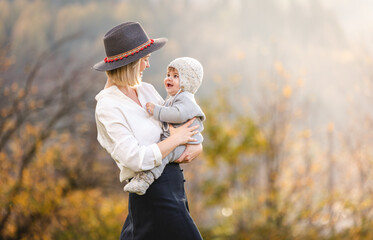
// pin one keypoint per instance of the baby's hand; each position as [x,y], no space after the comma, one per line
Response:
[150,108]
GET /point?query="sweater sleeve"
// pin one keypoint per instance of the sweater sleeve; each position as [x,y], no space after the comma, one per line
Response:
[183,108]
[116,137]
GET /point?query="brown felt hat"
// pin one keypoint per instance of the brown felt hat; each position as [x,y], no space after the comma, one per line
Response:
[127,43]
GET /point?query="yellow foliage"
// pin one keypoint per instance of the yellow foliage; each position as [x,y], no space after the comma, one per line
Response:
[236,80]
[6,92]
[279,67]
[300,82]
[2,156]
[34,90]
[84,127]
[307,133]
[20,106]
[217,79]
[32,104]
[64,137]
[9,124]
[79,117]
[46,193]
[14,87]
[21,93]
[31,130]
[240,55]
[286,91]
[4,112]
[330,127]
[298,113]
[260,139]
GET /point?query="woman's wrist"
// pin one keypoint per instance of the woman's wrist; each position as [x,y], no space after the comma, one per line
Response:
[168,145]
[174,141]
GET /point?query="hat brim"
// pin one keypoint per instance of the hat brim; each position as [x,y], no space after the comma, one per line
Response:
[107,66]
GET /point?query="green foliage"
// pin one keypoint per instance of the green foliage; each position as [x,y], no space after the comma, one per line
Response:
[229,135]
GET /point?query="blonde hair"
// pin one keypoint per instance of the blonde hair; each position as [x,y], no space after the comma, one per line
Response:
[128,75]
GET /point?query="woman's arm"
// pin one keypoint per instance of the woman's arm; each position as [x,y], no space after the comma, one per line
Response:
[178,136]
[117,138]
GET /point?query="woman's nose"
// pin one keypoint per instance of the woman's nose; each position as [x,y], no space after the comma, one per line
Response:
[147,64]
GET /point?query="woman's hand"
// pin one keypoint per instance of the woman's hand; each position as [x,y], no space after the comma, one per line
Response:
[191,152]
[184,133]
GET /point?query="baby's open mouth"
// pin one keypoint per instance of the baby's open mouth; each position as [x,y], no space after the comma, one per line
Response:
[169,85]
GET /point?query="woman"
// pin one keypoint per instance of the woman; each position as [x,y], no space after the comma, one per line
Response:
[131,137]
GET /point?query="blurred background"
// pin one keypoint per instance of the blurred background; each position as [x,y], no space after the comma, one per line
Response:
[287,91]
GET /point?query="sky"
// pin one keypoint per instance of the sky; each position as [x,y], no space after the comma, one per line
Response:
[355,17]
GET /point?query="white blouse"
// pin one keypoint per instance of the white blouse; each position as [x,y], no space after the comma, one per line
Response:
[127,132]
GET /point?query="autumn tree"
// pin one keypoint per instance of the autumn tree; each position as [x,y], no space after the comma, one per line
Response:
[48,152]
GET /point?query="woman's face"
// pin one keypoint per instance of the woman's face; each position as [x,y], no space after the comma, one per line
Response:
[144,63]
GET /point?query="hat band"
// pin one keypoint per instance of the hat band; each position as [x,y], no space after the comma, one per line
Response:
[130,52]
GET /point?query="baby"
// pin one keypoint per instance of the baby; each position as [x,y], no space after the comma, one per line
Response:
[184,76]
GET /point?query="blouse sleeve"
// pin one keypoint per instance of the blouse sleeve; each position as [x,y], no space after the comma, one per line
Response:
[117,138]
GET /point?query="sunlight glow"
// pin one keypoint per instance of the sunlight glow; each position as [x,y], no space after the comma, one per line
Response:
[226,212]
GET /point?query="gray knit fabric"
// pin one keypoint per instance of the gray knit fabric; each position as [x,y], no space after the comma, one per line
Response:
[177,110]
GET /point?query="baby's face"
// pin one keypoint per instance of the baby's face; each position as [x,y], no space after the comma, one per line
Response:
[172,82]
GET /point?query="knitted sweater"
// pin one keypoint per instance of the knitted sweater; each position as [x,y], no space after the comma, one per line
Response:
[177,110]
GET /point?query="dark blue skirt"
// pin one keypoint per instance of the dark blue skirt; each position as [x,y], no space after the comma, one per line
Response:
[162,213]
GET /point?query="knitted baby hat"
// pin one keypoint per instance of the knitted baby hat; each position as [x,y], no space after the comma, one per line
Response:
[190,73]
